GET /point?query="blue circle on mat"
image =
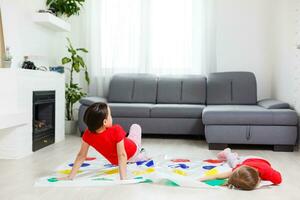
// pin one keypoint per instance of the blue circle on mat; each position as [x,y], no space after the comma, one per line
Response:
[182,166]
[83,164]
[150,163]
[108,165]
[208,167]
[140,162]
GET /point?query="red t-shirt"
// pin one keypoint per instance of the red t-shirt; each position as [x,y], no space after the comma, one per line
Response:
[266,172]
[106,142]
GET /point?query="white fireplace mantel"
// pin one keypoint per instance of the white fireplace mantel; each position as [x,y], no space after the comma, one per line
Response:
[16,91]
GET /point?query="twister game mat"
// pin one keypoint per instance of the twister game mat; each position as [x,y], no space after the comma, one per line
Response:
[163,170]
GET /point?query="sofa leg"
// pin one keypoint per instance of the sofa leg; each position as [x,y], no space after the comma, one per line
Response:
[217,146]
[285,148]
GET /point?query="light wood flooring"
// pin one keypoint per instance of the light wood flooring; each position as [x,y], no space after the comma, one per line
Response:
[17,176]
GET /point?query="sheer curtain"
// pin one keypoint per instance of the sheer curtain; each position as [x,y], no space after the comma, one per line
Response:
[151,36]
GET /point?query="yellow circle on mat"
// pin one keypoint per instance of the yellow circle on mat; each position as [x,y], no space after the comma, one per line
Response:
[150,170]
[68,171]
[180,172]
[211,172]
[137,173]
[147,171]
[112,171]
[109,172]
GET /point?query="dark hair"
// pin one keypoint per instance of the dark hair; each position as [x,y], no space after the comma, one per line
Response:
[94,116]
[244,178]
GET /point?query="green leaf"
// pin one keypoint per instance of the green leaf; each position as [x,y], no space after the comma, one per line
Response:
[65,60]
[72,51]
[80,61]
[49,2]
[87,78]
[83,50]
[76,67]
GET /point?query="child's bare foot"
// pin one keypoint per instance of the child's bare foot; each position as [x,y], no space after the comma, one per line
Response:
[143,155]
[224,154]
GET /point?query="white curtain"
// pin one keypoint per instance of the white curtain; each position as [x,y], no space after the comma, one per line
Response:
[151,36]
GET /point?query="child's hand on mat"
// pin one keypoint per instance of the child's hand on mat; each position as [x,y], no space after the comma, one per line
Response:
[202,179]
[206,178]
[66,178]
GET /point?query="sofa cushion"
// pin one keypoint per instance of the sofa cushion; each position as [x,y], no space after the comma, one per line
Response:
[130,109]
[186,89]
[145,89]
[120,89]
[176,111]
[273,104]
[247,115]
[133,88]
[193,89]
[231,88]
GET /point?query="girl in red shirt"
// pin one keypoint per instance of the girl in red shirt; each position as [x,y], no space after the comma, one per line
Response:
[109,140]
[247,172]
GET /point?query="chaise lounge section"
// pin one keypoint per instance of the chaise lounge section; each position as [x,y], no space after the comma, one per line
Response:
[233,115]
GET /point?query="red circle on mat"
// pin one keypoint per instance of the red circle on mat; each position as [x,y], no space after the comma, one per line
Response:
[90,158]
[180,160]
[213,161]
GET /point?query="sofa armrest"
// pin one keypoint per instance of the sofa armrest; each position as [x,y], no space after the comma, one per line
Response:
[273,104]
[87,101]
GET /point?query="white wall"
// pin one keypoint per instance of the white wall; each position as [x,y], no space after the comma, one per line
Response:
[243,40]
[286,71]
[24,37]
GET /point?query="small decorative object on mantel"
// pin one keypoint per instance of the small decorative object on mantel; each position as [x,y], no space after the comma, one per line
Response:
[59,69]
[51,11]
[7,58]
[65,7]
[28,64]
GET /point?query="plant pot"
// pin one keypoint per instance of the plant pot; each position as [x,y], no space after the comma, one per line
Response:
[6,64]
[71,127]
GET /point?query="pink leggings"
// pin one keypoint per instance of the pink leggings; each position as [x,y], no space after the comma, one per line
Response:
[135,134]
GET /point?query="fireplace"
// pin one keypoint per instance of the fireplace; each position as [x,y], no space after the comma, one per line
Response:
[43,122]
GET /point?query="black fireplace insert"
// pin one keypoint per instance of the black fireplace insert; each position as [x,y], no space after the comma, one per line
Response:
[43,122]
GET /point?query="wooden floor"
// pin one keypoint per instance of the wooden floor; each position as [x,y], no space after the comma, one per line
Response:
[17,176]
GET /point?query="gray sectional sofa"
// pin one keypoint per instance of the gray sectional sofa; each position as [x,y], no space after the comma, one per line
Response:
[224,103]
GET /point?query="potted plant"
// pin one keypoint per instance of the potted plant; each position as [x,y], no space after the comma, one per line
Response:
[7,58]
[65,7]
[73,92]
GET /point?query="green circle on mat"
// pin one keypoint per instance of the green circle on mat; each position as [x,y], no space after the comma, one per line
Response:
[218,182]
[171,183]
[147,181]
[139,177]
[52,180]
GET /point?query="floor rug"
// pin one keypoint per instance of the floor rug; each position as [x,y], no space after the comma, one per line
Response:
[163,170]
